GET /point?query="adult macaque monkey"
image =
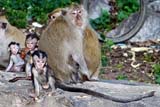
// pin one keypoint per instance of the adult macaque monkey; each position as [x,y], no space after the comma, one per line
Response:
[91,47]
[8,33]
[61,39]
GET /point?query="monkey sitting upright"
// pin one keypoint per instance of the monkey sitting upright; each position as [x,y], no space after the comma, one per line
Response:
[91,46]
[8,33]
[16,63]
[62,39]
[31,45]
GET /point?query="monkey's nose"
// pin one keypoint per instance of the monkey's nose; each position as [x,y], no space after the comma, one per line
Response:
[4,25]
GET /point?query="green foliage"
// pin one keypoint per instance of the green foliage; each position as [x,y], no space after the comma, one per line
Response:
[104,22]
[20,12]
[156,71]
[121,77]
[101,23]
[148,57]
[119,66]
[102,71]
[126,7]
[106,46]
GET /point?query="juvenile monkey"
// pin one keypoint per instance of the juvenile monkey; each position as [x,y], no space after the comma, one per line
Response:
[8,33]
[16,63]
[31,45]
[60,40]
[91,47]
[41,74]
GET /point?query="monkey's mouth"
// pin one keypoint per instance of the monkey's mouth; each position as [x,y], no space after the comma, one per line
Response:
[3,25]
[79,23]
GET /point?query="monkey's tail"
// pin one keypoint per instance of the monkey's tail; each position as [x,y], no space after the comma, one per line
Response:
[100,95]
[19,78]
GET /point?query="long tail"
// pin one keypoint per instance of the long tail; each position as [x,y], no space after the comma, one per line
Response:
[100,95]
[19,78]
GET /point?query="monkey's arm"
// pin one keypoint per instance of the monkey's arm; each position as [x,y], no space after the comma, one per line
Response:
[51,82]
[10,65]
[21,61]
[35,82]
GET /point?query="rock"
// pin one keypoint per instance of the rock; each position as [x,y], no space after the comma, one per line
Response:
[96,6]
[17,94]
[150,29]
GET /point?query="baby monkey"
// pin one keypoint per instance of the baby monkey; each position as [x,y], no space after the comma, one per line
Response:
[42,77]
[16,63]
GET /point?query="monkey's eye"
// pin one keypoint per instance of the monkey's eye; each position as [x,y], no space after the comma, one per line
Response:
[79,11]
[38,61]
[53,17]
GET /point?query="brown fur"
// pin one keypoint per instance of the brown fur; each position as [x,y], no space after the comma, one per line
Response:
[92,52]
[59,41]
[91,46]
[10,34]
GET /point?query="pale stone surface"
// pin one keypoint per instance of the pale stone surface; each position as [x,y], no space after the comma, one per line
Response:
[17,94]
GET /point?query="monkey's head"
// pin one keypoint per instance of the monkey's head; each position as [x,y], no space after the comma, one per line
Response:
[14,47]
[3,25]
[39,59]
[31,41]
[77,15]
[54,14]
[3,21]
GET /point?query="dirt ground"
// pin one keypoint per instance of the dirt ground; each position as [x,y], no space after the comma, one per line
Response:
[123,66]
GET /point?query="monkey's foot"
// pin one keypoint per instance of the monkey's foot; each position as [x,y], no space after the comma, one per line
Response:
[94,78]
[37,99]
[51,93]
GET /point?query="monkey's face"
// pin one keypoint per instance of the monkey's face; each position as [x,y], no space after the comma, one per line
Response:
[78,16]
[3,25]
[39,62]
[31,43]
[14,49]
[3,22]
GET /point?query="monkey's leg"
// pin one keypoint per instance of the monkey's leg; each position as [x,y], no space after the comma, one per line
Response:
[82,64]
[37,88]
[94,76]
[51,82]
[28,69]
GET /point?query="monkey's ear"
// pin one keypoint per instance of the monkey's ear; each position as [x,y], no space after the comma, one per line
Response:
[64,12]
[18,44]
[51,16]
[8,49]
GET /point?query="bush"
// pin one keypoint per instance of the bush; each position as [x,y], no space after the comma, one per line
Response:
[156,71]
[106,46]
[104,22]
[19,12]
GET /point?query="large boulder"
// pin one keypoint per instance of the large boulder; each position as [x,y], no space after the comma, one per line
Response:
[150,30]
